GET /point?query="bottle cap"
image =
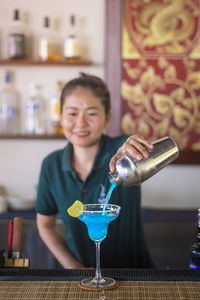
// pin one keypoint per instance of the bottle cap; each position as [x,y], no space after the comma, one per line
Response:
[72,20]
[16,15]
[46,22]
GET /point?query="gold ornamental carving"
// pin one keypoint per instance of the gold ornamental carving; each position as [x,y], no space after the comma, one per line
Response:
[162,104]
[161,27]
[161,70]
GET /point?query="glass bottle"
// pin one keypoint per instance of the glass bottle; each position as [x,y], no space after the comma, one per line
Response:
[55,126]
[9,108]
[16,38]
[195,249]
[45,48]
[71,44]
[34,118]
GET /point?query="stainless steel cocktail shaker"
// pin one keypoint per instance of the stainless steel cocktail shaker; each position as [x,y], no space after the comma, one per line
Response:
[131,171]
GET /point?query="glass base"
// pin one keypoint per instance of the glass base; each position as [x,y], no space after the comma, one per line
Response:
[103,283]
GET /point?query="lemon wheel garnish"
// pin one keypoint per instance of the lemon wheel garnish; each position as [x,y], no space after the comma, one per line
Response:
[76,209]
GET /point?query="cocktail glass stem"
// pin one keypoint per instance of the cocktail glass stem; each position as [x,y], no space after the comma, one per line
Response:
[98,275]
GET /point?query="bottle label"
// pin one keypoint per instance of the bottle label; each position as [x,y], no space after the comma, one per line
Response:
[71,48]
[16,46]
[55,110]
[55,127]
[9,120]
[193,265]
[7,112]
[32,118]
[32,106]
[45,49]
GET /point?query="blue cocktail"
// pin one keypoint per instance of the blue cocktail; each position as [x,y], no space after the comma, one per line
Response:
[97,217]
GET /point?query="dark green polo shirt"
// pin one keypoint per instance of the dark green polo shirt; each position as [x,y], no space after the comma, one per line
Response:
[59,187]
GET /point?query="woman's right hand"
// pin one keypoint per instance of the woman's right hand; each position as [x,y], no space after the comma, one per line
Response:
[136,146]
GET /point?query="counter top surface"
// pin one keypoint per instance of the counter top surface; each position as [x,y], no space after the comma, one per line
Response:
[131,284]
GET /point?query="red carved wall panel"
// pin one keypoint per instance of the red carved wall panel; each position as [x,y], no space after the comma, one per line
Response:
[161,70]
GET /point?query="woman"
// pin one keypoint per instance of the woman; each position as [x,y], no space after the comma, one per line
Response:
[80,172]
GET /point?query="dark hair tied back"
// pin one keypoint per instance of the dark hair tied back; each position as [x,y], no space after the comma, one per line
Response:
[93,83]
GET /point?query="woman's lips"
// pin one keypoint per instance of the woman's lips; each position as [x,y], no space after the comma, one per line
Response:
[81,134]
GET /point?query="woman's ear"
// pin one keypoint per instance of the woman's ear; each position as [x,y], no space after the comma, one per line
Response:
[108,117]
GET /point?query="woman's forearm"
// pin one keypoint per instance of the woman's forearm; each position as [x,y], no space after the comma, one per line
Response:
[57,245]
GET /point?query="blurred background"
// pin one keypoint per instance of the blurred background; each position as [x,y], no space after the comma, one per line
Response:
[52,37]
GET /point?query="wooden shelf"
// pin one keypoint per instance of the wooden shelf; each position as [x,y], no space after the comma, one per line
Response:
[188,157]
[32,137]
[29,62]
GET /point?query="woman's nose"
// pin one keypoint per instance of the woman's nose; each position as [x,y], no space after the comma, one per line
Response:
[81,118]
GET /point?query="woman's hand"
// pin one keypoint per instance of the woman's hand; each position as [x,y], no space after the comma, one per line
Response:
[136,146]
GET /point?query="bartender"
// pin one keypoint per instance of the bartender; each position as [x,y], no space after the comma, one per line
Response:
[80,172]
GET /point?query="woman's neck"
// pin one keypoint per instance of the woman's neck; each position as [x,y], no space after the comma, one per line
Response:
[83,159]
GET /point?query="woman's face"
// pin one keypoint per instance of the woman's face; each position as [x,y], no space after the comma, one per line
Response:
[83,118]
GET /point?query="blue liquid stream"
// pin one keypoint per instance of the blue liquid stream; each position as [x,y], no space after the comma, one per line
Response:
[112,187]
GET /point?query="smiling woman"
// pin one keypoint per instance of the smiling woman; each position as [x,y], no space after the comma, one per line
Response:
[83,117]
[80,172]
[85,112]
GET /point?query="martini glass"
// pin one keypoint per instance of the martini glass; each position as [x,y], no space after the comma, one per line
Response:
[97,217]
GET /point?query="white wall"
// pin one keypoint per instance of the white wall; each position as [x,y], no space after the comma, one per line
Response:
[175,186]
[20,163]
[20,159]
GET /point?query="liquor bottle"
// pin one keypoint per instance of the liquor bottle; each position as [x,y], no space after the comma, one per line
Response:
[16,38]
[34,118]
[9,108]
[195,249]
[45,49]
[71,44]
[55,126]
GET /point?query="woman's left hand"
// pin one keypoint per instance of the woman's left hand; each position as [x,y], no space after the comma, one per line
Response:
[136,146]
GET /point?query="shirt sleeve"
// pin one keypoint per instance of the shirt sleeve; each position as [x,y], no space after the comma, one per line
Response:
[45,203]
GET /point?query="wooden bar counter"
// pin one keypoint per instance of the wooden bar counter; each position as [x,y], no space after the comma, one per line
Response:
[132,284]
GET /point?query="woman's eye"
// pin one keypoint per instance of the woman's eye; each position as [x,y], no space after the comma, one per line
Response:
[72,114]
[92,114]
